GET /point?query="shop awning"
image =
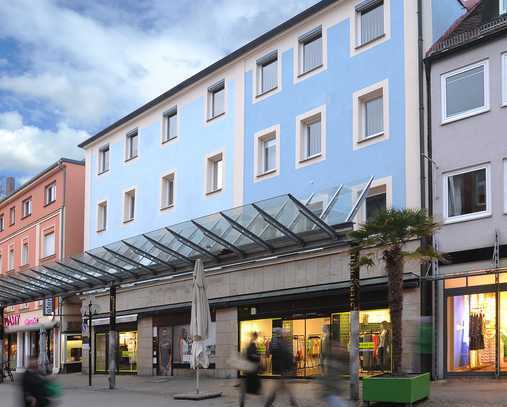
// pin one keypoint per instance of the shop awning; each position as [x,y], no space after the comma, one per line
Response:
[271,227]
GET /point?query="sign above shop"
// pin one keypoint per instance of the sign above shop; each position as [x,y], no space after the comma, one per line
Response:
[48,307]
[11,320]
[31,321]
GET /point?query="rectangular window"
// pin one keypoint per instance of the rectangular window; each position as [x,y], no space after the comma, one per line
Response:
[27,207]
[268,153]
[167,191]
[267,73]
[170,125]
[504,78]
[310,51]
[1,266]
[311,137]
[101,216]
[24,254]
[465,92]
[376,202]
[2,223]
[104,159]
[12,216]
[48,244]
[10,259]
[50,193]
[371,21]
[132,140]
[215,173]
[503,6]
[129,206]
[216,100]
[467,194]
[373,120]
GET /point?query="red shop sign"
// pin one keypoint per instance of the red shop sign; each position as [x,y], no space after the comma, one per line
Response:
[11,320]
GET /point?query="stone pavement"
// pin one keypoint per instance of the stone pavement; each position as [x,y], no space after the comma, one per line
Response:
[158,391]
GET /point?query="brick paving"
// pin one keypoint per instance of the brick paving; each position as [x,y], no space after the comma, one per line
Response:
[154,392]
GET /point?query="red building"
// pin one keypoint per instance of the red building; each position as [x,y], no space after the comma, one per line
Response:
[40,222]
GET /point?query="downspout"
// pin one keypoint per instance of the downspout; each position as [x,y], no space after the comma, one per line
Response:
[425,287]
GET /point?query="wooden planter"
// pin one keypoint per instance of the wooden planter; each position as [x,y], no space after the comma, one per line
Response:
[398,390]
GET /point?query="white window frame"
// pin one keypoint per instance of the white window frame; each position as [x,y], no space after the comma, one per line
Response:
[210,117]
[102,216]
[355,30]
[25,255]
[26,207]
[503,7]
[127,206]
[12,215]
[385,182]
[11,256]
[504,78]
[46,233]
[2,222]
[258,92]
[50,192]
[259,138]
[358,114]
[210,159]
[445,195]
[101,168]
[472,112]
[298,73]
[301,121]
[128,154]
[164,180]
[173,111]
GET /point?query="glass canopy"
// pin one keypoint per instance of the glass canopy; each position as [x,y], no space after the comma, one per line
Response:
[270,227]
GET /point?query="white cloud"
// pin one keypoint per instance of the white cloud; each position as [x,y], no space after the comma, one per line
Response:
[28,149]
[11,121]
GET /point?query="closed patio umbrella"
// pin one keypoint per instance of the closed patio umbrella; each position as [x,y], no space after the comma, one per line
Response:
[200,321]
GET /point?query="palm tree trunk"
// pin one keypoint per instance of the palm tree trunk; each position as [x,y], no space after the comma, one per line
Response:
[394,268]
[354,323]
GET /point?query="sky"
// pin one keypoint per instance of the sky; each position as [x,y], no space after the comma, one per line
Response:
[69,68]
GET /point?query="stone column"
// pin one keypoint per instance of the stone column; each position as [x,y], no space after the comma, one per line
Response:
[20,353]
[411,360]
[226,341]
[145,346]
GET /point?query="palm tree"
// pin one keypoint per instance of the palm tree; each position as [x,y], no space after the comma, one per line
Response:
[390,231]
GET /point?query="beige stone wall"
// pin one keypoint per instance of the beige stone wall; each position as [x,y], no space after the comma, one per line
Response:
[145,346]
[227,341]
[411,359]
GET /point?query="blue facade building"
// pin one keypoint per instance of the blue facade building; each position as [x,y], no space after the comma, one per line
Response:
[333,96]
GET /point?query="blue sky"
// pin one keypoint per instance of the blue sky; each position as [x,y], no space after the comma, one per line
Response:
[70,67]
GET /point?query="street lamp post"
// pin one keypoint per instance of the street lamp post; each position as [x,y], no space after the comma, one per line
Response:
[92,310]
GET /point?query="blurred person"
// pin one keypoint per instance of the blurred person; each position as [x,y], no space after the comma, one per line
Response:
[34,386]
[251,384]
[335,366]
[282,364]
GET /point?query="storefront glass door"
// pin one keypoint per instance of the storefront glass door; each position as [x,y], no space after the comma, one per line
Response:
[471,327]
[127,352]
[100,353]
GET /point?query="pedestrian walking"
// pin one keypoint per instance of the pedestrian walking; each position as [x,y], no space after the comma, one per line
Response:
[335,367]
[34,386]
[251,384]
[282,364]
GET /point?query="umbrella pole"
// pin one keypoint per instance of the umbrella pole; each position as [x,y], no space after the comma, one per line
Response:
[197,388]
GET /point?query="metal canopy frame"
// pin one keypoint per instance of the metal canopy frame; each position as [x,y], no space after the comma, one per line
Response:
[277,226]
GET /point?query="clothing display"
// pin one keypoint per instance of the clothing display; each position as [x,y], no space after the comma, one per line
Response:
[476,331]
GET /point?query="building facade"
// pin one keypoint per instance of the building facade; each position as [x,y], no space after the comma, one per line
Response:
[469,95]
[41,222]
[328,98]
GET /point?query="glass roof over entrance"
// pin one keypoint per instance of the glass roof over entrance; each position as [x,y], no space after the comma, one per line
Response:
[270,227]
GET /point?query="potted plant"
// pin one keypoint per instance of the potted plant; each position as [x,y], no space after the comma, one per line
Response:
[390,231]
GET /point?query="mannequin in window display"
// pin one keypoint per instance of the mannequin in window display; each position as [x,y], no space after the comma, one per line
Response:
[383,346]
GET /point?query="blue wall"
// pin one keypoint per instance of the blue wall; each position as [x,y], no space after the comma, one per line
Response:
[186,157]
[445,13]
[333,87]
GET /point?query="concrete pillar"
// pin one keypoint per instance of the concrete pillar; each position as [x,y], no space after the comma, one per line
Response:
[411,360]
[27,348]
[226,341]
[20,353]
[145,346]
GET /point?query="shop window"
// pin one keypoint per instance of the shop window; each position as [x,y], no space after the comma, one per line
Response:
[127,352]
[467,194]
[481,280]
[456,282]
[100,353]
[182,345]
[73,349]
[471,333]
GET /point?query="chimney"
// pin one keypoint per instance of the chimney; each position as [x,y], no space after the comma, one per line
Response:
[10,185]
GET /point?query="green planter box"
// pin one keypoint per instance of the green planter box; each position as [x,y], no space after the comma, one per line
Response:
[402,390]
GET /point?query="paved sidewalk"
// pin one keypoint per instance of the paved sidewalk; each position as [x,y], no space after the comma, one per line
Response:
[158,391]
